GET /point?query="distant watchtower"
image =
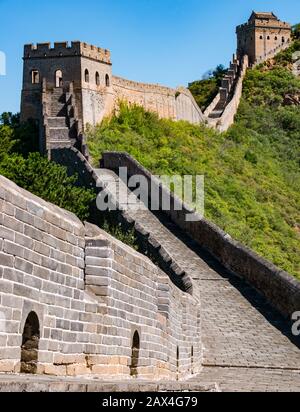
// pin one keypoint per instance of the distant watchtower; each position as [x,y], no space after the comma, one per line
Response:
[262,37]
[65,87]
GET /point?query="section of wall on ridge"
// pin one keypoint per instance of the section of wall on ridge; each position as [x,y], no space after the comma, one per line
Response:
[227,118]
[175,104]
[89,294]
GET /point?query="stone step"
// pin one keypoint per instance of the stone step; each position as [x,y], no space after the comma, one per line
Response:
[58,110]
[215,114]
[58,105]
[57,121]
[58,91]
[59,133]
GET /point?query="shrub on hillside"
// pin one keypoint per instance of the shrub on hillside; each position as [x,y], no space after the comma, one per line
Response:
[36,173]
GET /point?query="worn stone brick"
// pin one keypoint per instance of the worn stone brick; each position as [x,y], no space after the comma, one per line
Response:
[6,260]
[7,234]
[32,257]
[97,281]
[11,301]
[7,366]
[13,249]
[41,272]
[24,241]
[97,271]
[48,263]
[21,290]
[13,224]
[9,209]
[23,265]
[35,208]
[41,248]
[56,370]
[13,275]
[33,282]
[24,217]
[33,233]
[99,252]
[6,286]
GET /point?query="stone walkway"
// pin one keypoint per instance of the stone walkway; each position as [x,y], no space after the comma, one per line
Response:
[34,383]
[250,379]
[247,345]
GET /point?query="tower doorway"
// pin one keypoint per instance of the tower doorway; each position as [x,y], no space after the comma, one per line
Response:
[30,344]
[58,78]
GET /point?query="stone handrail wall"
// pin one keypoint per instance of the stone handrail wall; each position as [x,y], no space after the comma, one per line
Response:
[280,288]
[213,104]
[227,118]
[90,294]
[190,110]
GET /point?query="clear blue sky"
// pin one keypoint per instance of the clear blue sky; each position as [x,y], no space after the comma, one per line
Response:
[171,42]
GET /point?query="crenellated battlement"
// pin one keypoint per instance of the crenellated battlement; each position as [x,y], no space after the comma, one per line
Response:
[65,49]
[263,20]
[272,24]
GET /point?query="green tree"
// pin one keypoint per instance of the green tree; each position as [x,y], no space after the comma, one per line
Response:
[48,181]
[205,90]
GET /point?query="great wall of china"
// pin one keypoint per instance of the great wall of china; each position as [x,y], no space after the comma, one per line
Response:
[194,311]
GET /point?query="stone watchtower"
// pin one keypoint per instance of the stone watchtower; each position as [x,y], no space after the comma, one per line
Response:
[65,87]
[262,37]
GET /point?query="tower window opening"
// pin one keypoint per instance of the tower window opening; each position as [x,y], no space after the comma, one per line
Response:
[35,77]
[107,80]
[177,363]
[135,351]
[97,79]
[86,76]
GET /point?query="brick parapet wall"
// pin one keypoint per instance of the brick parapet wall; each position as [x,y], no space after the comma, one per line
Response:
[212,105]
[63,49]
[279,287]
[90,292]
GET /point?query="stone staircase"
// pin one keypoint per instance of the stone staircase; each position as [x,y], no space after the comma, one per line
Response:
[247,345]
[58,122]
[58,103]
[225,97]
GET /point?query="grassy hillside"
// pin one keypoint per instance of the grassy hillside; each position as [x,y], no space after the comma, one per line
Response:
[252,176]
